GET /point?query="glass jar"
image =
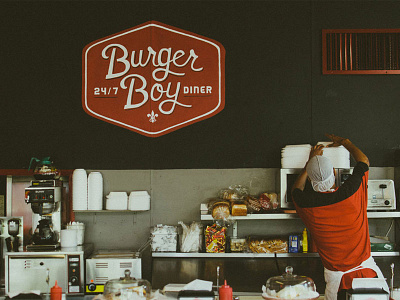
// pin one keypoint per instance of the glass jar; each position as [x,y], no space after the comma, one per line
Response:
[127,288]
[290,286]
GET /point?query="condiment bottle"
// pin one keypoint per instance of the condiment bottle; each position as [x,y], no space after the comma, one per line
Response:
[55,292]
[225,292]
[305,241]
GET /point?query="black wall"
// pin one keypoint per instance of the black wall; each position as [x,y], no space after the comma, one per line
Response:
[275,91]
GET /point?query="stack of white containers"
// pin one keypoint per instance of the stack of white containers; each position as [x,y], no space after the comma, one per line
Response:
[117,201]
[88,194]
[87,191]
[139,200]
[296,156]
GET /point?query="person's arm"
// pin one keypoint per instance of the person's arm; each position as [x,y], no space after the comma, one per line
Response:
[301,180]
[357,154]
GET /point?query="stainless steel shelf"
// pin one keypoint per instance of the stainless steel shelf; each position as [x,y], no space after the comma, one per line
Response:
[250,255]
[108,211]
[280,216]
[284,216]
[383,214]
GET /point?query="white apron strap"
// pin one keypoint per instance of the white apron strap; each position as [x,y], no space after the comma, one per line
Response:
[333,278]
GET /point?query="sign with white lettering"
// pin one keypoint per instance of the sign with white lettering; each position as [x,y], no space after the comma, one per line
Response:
[153,78]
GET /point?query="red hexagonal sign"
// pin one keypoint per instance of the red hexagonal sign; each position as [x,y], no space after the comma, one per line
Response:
[153,78]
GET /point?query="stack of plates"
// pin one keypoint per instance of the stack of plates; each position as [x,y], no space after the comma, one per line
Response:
[296,156]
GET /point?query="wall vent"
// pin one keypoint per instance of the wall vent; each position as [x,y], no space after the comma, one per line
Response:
[360,51]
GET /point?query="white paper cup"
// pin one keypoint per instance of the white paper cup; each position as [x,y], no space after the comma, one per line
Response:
[68,238]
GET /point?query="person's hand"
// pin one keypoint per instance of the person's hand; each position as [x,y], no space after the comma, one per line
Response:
[316,150]
[336,140]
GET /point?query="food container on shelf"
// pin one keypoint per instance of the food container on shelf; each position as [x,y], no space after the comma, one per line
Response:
[238,245]
[215,238]
[164,238]
[139,200]
[263,244]
[290,286]
[127,288]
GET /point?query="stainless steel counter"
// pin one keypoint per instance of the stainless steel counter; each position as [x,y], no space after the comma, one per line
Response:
[45,297]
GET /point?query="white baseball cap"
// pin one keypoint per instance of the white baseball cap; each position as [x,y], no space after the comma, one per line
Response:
[320,171]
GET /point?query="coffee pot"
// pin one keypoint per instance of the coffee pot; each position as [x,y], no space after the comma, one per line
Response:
[44,169]
[44,235]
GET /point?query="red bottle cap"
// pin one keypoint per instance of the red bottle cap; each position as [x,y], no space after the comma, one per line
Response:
[225,292]
[56,288]
[55,292]
[225,286]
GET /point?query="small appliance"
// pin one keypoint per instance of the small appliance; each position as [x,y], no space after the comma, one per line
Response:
[44,196]
[381,195]
[11,239]
[368,289]
[105,265]
[11,234]
[38,270]
[289,176]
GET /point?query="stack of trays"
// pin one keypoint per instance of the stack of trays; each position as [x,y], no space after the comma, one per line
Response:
[296,156]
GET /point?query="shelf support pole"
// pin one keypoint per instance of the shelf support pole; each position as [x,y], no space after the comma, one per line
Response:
[235,229]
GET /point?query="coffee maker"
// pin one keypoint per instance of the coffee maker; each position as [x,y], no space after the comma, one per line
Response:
[45,196]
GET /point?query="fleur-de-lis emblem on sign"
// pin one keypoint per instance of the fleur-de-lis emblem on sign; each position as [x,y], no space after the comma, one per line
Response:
[152,116]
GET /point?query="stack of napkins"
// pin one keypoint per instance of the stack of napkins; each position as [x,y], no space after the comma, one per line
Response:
[296,156]
[117,201]
[339,156]
[199,285]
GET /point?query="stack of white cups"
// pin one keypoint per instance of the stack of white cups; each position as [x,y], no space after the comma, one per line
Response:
[95,191]
[79,190]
